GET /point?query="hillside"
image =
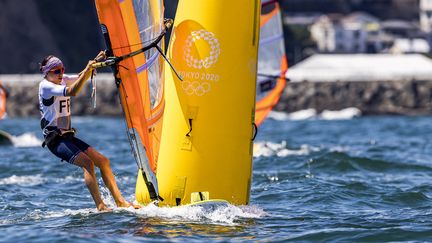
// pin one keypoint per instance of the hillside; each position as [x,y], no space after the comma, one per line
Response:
[33,29]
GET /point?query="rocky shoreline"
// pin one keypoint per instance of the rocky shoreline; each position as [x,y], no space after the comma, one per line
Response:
[405,97]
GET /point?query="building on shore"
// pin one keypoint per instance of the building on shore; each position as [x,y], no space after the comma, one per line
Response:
[337,33]
[426,15]
[363,33]
[361,67]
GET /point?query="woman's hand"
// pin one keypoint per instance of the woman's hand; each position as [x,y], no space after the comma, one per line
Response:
[100,57]
[84,75]
[89,66]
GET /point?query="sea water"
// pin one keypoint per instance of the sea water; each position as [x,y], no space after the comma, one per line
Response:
[360,179]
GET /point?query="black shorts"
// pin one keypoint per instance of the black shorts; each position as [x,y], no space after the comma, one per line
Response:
[67,148]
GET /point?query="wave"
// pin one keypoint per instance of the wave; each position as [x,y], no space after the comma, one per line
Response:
[308,114]
[269,149]
[26,140]
[344,114]
[68,179]
[336,158]
[342,160]
[31,180]
[34,180]
[298,115]
[226,215]
[406,198]
[222,215]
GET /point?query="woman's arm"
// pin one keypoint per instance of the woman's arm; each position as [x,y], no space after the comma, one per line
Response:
[74,88]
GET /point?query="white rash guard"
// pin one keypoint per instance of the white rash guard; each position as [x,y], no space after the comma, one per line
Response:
[54,105]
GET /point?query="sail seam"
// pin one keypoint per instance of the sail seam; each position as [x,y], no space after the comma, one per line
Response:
[270,39]
[149,62]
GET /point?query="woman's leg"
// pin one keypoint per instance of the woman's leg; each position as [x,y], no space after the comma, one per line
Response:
[103,164]
[70,152]
[83,161]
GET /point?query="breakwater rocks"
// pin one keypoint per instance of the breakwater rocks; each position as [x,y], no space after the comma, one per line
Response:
[405,97]
[372,98]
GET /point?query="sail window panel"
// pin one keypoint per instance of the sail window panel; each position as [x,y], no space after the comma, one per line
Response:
[270,55]
[271,48]
[149,17]
[155,79]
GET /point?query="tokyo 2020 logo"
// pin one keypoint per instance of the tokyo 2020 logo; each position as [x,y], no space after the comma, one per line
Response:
[198,82]
[213,45]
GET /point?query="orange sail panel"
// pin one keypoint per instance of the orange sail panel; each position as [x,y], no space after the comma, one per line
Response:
[128,26]
[272,61]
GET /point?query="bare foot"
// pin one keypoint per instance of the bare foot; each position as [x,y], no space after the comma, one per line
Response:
[104,208]
[136,206]
[126,204]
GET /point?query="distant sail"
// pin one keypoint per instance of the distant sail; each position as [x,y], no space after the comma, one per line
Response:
[131,26]
[3,95]
[272,61]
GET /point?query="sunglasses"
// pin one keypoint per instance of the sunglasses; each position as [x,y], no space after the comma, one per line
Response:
[58,71]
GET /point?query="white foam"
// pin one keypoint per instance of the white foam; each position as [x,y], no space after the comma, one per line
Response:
[298,115]
[307,114]
[68,179]
[226,215]
[278,116]
[303,114]
[23,180]
[344,114]
[340,149]
[39,214]
[26,140]
[269,149]
[223,215]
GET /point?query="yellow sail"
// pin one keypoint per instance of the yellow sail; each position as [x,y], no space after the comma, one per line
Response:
[206,144]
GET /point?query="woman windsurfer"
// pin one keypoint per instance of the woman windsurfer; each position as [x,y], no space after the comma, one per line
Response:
[55,91]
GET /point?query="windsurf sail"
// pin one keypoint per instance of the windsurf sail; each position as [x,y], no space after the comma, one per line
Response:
[272,63]
[134,34]
[3,96]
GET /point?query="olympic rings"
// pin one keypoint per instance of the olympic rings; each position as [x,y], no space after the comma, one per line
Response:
[195,87]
